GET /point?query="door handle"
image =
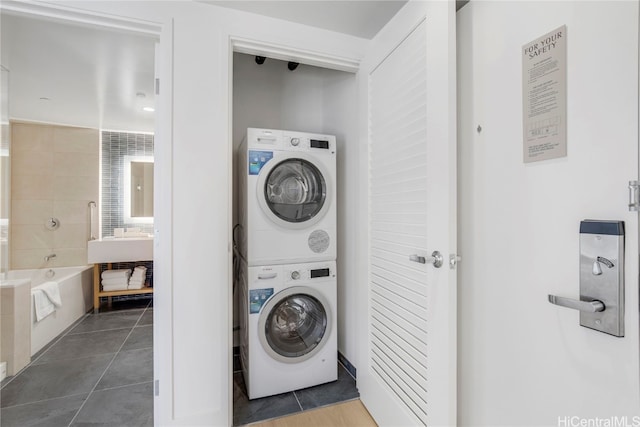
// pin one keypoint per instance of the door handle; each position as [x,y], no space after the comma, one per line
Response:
[436,259]
[586,306]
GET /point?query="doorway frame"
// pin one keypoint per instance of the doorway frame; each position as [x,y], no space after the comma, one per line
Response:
[162,32]
[283,53]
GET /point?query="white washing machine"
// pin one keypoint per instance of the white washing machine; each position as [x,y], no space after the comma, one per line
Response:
[287,197]
[288,327]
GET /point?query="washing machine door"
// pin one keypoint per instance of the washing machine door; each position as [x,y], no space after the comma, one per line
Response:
[295,324]
[293,191]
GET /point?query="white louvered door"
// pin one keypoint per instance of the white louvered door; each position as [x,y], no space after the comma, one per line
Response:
[409,377]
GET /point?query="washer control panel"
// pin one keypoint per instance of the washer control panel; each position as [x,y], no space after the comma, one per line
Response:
[303,273]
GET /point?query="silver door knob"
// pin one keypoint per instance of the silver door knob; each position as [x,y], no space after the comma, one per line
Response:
[436,259]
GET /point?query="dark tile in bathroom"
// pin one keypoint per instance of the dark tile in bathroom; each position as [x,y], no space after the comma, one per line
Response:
[106,321]
[141,337]
[129,367]
[56,379]
[130,406]
[247,411]
[147,318]
[46,413]
[325,394]
[86,344]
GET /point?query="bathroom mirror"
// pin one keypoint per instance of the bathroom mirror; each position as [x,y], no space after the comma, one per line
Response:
[138,189]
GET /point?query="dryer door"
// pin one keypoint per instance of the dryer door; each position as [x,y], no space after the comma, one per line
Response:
[294,191]
[294,324]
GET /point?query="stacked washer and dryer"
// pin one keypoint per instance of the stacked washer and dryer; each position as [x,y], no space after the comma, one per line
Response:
[287,246]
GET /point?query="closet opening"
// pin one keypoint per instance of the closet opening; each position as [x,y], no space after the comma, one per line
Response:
[279,96]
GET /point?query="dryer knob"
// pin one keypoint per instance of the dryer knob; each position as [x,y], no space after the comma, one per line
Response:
[295,141]
[295,275]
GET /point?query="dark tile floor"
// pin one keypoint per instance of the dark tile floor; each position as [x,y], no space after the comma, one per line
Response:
[98,373]
[247,411]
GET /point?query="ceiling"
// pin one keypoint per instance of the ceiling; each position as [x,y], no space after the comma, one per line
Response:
[78,75]
[360,18]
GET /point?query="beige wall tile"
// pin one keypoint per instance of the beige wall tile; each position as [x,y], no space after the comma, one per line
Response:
[75,140]
[72,211]
[71,236]
[7,337]
[33,187]
[6,301]
[72,188]
[31,137]
[31,211]
[31,258]
[72,257]
[31,237]
[52,163]
[75,164]
[32,163]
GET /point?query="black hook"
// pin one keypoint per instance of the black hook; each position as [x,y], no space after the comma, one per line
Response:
[260,60]
[292,66]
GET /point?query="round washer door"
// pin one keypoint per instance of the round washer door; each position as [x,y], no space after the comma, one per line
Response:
[294,324]
[293,190]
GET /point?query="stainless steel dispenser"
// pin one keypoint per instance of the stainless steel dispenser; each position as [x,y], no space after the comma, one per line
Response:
[601,302]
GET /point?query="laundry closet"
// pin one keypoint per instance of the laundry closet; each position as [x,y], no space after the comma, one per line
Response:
[284,95]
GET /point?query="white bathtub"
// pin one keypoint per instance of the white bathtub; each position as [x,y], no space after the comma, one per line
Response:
[76,292]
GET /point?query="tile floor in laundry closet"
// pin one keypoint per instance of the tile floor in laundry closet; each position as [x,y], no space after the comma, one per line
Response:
[247,411]
[99,372]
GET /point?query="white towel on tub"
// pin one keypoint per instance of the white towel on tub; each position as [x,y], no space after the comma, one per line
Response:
[46,298]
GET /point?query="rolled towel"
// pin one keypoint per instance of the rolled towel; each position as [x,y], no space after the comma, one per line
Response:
[109,288]
[114,274]
[114,282]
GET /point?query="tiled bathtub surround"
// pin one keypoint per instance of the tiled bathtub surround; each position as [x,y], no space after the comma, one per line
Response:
[54,173]
[115,146]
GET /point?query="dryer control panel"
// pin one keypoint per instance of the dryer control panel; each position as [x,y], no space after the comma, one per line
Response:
[273,139]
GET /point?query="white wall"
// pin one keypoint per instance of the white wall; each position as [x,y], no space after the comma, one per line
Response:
[192,305]
[309,99]
[523,361]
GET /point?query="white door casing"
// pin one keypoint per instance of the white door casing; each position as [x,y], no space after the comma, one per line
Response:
[407,363]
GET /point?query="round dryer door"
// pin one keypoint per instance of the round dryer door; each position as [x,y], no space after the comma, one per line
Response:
[294,191]
[294,324]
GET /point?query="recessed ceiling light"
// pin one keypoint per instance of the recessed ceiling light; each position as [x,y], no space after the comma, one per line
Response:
[149,109]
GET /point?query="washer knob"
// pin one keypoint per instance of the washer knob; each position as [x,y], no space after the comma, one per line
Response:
[295,275]
[295,141]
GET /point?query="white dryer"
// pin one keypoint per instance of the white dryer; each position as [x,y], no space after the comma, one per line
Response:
[288,327]
[287,197]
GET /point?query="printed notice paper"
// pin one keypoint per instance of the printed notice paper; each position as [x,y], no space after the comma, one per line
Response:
[544,87]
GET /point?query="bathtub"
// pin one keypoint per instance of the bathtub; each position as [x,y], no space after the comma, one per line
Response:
[76,292]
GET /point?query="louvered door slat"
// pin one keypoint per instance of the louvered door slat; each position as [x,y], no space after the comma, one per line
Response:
[398,207]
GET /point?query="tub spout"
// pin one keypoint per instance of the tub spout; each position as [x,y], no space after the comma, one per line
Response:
[49,257]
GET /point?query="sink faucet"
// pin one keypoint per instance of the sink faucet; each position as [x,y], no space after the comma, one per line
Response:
[49,257]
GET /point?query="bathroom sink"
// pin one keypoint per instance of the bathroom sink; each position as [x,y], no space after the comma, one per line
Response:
[120,249]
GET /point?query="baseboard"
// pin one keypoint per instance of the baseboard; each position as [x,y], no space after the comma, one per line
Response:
[348,365]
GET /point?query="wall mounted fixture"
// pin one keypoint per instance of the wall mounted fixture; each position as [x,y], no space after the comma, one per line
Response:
[601,302]
[52,223]
[260,60]
[292,66]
